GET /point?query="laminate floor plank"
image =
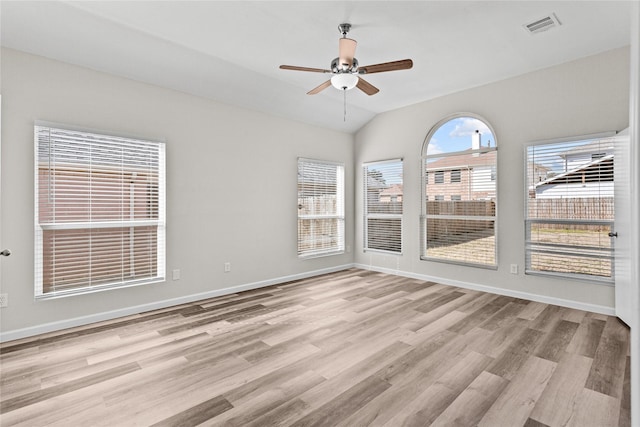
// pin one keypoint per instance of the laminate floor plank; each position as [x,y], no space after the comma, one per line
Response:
[509,362]
[424,407]
[504,316]
[607,370]
[472,404]
[587,337]
[625,402]
[497,342]
[259,405]
[532,310]
[554,344]
[553,408]
[516,401]
[349,348]
[395,400]
[345,403]
[595,409]
[324,392]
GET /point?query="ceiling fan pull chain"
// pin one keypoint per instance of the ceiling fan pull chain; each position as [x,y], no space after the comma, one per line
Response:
[344,117]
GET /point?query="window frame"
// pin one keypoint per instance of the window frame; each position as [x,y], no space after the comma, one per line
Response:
[91,138]
[393,216]
[425,197]
[338,216]
[585,278]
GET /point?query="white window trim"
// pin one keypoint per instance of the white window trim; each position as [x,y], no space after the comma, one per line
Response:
[160,222]
[528,221]
[339,216]
[424,197]
[367,215]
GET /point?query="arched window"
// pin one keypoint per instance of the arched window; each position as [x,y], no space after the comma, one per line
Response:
[459,198]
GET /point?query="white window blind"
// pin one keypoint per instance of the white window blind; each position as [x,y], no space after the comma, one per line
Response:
[99,211]
[459,193]
[383,206]
[570,208]
[320,208]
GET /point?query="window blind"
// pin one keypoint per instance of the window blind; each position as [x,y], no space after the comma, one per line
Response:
[570,208]
[320,208]
[383,195]
[100,211]
[459,210]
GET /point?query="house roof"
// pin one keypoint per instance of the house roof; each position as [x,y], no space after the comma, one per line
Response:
[392,190]
[599,146]
[467,159]
[592,170]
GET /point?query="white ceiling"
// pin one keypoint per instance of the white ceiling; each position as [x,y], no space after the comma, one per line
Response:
[230,50]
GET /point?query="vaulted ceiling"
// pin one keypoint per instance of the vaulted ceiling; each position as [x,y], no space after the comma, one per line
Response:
[230,50]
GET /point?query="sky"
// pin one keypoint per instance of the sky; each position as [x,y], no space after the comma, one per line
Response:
[455,135]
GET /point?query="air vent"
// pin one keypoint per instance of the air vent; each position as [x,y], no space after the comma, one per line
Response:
[543,24]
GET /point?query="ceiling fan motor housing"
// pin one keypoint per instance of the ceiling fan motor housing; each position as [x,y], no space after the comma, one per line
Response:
[337,67]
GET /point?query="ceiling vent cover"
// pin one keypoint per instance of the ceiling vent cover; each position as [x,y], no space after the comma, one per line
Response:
[543,24]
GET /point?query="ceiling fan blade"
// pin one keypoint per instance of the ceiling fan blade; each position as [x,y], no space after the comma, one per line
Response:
[367,87]
[347,51]
[403,64]
[319,88]
[296,68]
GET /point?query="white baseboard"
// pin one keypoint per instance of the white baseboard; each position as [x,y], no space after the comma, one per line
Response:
[595,308]
[127,311]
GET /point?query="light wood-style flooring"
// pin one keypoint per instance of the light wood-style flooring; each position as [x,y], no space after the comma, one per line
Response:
[353,348]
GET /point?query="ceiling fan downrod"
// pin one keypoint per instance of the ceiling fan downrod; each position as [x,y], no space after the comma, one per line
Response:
[344,29]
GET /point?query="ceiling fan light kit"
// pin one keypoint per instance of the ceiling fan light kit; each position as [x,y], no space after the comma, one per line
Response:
[344,81]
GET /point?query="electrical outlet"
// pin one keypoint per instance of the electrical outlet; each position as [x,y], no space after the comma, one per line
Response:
[514,269]
[227,267]
[176,274]
[4,300]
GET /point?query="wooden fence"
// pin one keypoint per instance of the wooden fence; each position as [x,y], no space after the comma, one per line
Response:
[440,228]
[572,208]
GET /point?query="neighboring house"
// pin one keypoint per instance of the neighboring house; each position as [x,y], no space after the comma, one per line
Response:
[469,176]
[392,193]
[588,174]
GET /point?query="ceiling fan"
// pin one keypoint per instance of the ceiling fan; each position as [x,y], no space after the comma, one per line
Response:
[346,70]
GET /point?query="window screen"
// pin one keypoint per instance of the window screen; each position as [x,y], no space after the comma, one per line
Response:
[459,213]
[570,208]
[383,206]
[320,208]
[100,214]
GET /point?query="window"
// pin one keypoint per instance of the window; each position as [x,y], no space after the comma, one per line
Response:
[383,206]
[438,177]
[99,211]
[320,208]
[458,224]
[570,208]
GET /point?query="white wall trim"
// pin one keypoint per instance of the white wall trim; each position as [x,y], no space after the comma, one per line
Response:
[610,311]
[127,311]
[634,169]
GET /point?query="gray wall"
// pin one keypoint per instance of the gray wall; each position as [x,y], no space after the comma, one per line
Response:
[223,161]
[231,187]
[587,96]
